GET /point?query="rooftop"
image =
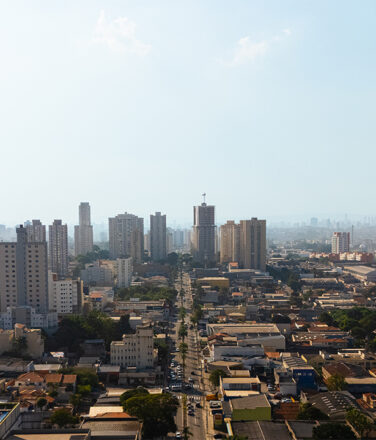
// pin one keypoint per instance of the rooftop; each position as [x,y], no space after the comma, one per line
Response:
[250,402]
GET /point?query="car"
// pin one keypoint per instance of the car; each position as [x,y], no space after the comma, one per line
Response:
[178,435]
[190,379]
[177,349]
[198,405]
[217,436]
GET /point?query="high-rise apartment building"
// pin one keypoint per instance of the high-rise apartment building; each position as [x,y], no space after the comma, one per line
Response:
[252,252]
[124,272]
[65,296]
[229,242]
[158,238]
[203,242]
[58,248]
[36,232]
[83,233]
[244,243]
[23,274]
[126,237]
[340,242]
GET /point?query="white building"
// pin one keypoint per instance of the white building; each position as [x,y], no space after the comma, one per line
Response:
[96,274]
[65,296]
[124,272]
[135,350]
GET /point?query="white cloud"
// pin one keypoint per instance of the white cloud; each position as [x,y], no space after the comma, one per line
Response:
[247,50]
[119,35]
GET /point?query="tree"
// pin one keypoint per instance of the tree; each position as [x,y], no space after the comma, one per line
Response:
[186,433]
[41,402]
[172,259]
[182,313]
[336,382]
[215,377]
[327,318]
[75,400]
[183,332]
[156,411]
[359,421]
[333,431]
[132,393]
[62,417]
[309,412]
[84,389]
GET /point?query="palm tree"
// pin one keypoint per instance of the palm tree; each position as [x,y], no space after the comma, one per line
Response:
[186,433]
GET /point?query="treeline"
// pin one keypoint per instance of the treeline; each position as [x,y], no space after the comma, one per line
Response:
[147,293]
[74,329]
[360,321]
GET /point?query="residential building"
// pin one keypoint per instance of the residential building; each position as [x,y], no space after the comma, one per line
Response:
[36,232]
[252,252]
[58,248]
[135,350]
[97,274]
[244,243]
[230,242]
[340,242]
[203,243]
[124,272]
[23,274]
[34,346]
[65,296]
[83,233]
[126,235]
[158,239]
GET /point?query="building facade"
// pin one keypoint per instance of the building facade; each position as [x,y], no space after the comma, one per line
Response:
[23,273]
[135,350]
[83,233]
[229,242]
[158,239]
[244,243]
[124,272]
[340,242]
[203,242]
[36,232]
[126,237]
[65,296]
[58,248]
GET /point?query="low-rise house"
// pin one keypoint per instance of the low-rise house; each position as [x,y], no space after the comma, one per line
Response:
[30,379]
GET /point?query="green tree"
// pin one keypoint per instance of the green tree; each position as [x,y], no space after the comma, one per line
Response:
[156,411]
[309,412]
[327,318]
[132,393]
[333,431]
[84,389]
[182,313]
[183,332]
[336,382]
[75,400]
[187,433]
[41,402]
[359,421]
[215,376]
[62,417]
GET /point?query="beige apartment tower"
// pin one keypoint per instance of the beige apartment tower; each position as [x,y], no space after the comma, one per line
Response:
[83,233]
[23,274]
[203,240]
[58,248]
[36,232]
[158,237]
[126,236]
[244,243]
[229,242]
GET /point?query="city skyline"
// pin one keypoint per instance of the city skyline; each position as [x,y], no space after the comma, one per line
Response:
[267,95]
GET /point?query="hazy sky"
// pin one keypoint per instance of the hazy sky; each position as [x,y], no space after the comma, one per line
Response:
[141,106]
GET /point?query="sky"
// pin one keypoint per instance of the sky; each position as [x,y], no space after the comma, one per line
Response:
[142,106]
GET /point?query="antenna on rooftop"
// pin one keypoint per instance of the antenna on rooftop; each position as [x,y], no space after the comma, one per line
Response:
[204,196]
